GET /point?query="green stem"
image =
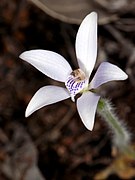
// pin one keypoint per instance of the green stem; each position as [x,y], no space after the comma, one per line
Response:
[121,137]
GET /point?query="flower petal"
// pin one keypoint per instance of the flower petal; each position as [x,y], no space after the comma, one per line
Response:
[45,96]
[49,63]
[86,43]
[107,72]
[86,106]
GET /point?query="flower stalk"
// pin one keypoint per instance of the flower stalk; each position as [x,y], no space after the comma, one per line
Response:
[121,136]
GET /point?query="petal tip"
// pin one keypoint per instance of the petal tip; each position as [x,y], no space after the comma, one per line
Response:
[90,128]
[27,114]
[94,14]
[88,125]
[29,110]
[126,76]
[22,55]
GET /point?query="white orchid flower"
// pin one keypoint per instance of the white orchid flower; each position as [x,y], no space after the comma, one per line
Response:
[76,81]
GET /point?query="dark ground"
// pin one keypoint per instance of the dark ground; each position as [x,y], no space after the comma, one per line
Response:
[53,144]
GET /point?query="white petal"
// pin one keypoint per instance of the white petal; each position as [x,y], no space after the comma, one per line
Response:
[87,105]
[45,96]
[107,72]
[86,43]
[49,63]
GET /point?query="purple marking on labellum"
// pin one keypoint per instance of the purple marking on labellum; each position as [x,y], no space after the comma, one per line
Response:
[74,86]
[76,82]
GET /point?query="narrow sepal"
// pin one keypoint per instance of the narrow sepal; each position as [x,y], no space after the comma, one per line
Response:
[45,96]
[87,105]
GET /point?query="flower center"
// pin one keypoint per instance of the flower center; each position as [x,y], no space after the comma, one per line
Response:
[76,82]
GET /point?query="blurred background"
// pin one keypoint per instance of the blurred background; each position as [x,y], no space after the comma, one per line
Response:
[53,143]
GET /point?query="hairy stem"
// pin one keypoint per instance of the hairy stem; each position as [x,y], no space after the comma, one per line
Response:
[121,136]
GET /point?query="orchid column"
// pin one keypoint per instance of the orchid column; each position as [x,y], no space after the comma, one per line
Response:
[76,81]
